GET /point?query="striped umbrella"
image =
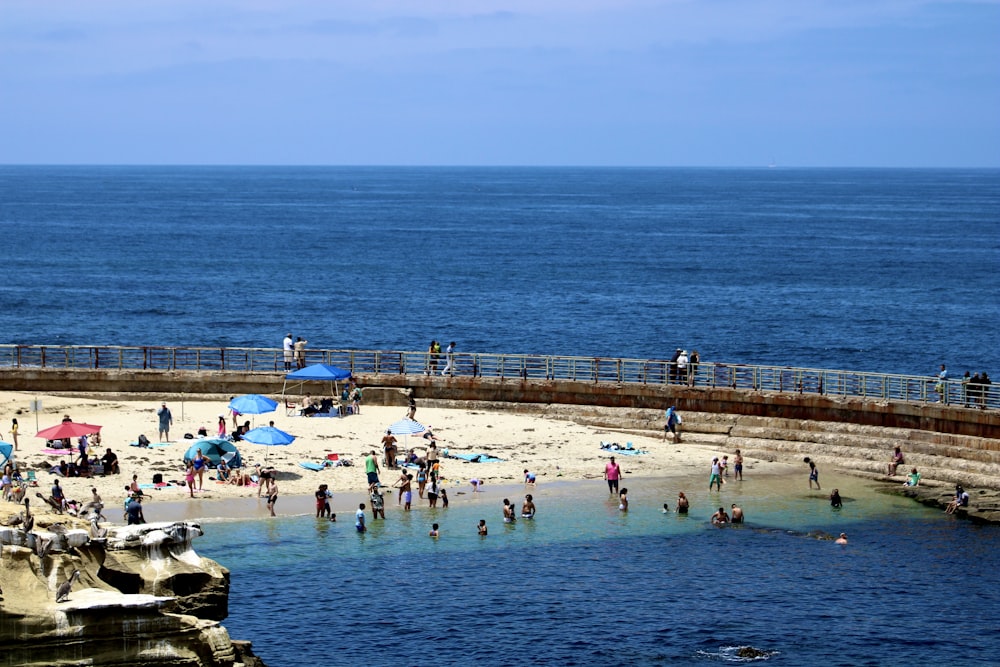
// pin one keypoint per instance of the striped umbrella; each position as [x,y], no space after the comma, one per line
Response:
[406,427]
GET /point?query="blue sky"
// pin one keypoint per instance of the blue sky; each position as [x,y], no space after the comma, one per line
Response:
[501,82]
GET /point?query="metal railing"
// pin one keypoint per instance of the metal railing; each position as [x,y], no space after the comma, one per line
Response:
[877,386]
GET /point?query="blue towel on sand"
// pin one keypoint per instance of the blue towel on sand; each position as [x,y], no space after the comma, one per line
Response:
[475,458]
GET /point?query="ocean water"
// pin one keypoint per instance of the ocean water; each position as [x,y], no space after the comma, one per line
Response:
[585,584]
[863,269]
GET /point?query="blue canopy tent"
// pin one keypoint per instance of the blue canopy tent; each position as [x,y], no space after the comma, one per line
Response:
[315,373]
[215,449]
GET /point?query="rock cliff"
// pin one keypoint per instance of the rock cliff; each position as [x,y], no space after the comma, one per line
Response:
[142,597]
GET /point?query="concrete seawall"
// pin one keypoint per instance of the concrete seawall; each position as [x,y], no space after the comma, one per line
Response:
[932,417]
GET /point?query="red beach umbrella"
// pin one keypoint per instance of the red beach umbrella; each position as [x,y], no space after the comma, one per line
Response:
[67,430]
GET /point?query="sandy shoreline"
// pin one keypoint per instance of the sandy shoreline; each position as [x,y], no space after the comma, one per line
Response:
[553,449]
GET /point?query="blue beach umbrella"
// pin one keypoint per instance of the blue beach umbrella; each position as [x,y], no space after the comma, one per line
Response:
[6,450]
[268,435]
[253,404]
[214,449]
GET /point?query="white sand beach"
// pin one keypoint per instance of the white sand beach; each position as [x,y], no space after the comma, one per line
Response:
[550,448]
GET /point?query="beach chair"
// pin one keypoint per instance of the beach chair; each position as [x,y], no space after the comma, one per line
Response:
[31,479]
[291,409]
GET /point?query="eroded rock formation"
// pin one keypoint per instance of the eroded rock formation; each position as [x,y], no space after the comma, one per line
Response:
[144,597]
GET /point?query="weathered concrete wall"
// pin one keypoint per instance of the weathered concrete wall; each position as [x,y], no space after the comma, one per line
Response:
[390,389]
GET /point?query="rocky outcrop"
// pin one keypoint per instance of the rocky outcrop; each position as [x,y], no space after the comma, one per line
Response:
[144,597]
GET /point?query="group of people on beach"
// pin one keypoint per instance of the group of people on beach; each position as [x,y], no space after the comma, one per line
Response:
[683,368]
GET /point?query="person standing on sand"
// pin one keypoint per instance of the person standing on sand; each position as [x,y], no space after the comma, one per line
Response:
[188,478]
[200,464]
[738,466]
[166,419]
[288,350]
[13,432]
[389,447]
[672,421]
[813,475]
[432,457]
[371,468]
[612,473]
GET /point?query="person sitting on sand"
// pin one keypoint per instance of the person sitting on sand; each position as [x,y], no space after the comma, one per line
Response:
[110,461]
[913,478]
[222,471]
[720,518]
[135,486]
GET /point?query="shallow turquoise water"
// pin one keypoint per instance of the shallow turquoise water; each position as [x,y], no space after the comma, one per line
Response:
[586,584]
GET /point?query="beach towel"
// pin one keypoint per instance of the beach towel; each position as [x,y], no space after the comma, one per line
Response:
[475,458]
[309,465]
[152,444]
[626,450]
[60,452]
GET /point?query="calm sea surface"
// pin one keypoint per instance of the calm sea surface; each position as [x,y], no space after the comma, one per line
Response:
[585,584]
[878,270]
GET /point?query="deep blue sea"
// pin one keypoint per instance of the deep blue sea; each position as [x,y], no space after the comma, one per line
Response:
[864,269]
[585,584]
[890,271]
